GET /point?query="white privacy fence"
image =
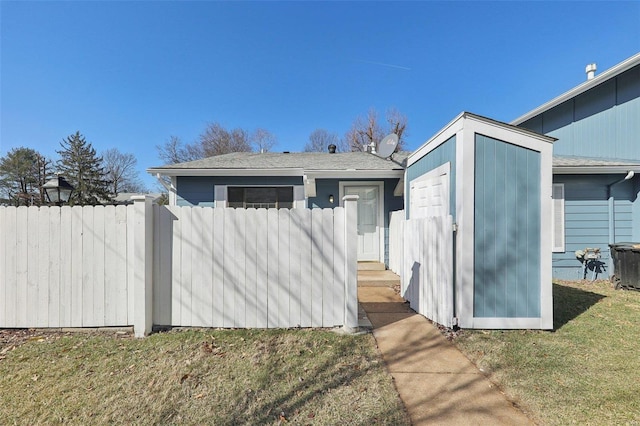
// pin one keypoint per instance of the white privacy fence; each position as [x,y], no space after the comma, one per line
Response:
[146,265]
[421,253]
[65,267]
[250,268]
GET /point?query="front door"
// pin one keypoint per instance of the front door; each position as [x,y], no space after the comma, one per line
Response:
[369,219]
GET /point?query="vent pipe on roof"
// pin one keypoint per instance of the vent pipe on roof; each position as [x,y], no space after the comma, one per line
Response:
[591,71]
[332,149]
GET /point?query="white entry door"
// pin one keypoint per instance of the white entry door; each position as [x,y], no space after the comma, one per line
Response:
[369,219]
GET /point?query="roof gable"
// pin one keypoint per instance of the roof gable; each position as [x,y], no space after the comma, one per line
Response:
[601,78]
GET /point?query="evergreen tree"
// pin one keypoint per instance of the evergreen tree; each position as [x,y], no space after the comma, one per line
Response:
[23,171]
[83,169]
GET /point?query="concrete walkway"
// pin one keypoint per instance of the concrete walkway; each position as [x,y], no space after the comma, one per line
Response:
[436,382]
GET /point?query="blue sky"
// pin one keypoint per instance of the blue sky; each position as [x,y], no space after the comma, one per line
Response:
[129,74]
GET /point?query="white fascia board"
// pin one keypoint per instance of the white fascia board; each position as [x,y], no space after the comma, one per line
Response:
[443,135]
[505,132]
[227,172]
[599,79]
[594,170]
[351,174]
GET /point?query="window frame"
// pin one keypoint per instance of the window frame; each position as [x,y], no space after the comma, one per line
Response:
[221,194]
[558,218]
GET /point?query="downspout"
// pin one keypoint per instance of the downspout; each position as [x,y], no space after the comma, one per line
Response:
[612,219]
[171,189]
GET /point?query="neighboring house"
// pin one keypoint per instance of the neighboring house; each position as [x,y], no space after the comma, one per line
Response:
[297,180]
[126,198]
[596,168]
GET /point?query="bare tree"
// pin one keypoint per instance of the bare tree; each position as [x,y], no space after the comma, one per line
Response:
[398,125]
[120,171]
[173,151]
[320,139]
[216,140]
[366,131]
[263,140]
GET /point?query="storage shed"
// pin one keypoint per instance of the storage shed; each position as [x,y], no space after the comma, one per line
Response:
[495,181]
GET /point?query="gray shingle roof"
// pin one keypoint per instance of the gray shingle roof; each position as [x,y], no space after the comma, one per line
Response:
[295,160]
[570,161]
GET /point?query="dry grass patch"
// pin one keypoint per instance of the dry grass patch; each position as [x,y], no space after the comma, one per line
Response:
[199,377]
[585,372]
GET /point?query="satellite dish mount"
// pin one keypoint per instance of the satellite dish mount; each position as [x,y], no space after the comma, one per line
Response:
[387,146]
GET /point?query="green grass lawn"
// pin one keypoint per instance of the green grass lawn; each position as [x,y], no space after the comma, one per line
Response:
[198,377]
[587,371]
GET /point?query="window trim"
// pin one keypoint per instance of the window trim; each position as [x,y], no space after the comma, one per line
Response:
[221,193]
[558,217]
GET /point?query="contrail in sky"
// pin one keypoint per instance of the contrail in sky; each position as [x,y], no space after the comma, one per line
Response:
[384,65]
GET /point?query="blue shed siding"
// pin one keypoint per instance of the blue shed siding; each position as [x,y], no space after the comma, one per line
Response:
[587,220]
[506,230]
[326,187]
[601,122]
[443,154]
[198,190]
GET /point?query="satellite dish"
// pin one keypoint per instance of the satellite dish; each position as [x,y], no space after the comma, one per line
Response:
[387,146]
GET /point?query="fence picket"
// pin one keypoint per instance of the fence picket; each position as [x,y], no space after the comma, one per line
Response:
[262,259]
[250,269]
[272,268]
[239,283]
[43,275]
[53,257]
[219,236]
[197,261]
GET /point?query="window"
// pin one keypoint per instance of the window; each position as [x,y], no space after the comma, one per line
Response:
[260,197]
[557,221]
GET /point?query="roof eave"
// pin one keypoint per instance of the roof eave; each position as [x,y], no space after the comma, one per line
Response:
[225,172]
[348,174]
[594,170]
[318,174]
[583,87]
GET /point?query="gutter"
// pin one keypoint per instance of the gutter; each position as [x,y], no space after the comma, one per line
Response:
[592,170]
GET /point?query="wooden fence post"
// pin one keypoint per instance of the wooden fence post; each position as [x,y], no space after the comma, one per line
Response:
[142,285]
[351,262]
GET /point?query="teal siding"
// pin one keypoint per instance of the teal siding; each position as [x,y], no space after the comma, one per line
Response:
[198,190]
[443,154]
[507,230]
[587,220]
[602,122]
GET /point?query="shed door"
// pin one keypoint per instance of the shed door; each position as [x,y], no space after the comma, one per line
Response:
[369,220]
[429,194]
